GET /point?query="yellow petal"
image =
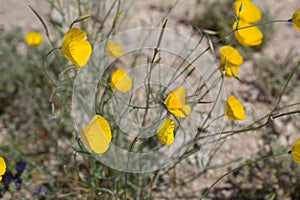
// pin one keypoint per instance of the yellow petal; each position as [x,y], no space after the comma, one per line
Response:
[75,34]
[165,131]
[229,69]
[96,135]
[175,102]
[230,55]
[176,98]
[80,52]
[249,12]
[120,80]
[75,47]
[113,49]
[296,19]
[234,110]
[186,110]
[296,151]
[2,166]
[181,112]
[33,38]
[251,36]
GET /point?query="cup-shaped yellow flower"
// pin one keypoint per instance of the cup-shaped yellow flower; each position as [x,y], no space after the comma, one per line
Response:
[96,136]
[33,38]
[120,80]
[230,60]
[250,35]
[296,19]
[175,102]
[230,70]
[234,110]
[165,131]
[113,49]
[2,167]
[76,48]
[246,10]
[296,151]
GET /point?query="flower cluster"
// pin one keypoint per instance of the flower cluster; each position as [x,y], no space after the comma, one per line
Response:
[247,13]
[175,103]
[13,178]
[96,135]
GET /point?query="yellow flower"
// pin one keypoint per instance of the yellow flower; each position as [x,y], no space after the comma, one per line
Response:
[175,102]
[113,49]
[33,38]
[234,110]
[230,60]
[249,11]
[2,167]
[249,36]
[96,135]
[296,151]
[296,19]
[76,48]
[165,131]
[120,80]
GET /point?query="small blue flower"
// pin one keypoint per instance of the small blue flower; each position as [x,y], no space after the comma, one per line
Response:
[40,191]
[8,178]
[21,167]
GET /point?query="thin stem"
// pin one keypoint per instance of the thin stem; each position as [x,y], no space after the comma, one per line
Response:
[148,88]
[239,167]
[287,82]
[43,23]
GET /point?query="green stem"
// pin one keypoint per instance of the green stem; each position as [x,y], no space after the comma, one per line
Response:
[286,84]
[148,88]
[43,23]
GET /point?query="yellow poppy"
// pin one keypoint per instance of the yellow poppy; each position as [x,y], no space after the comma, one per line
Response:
[33,38]
[120,80]
[76,48]
[296,151]
[2,167]
[249,12]
[175,102]
[249,36]
[234,110]
[296,19]
[113,49]
[230,70]
[230,60]
[96,135]
[165,131]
